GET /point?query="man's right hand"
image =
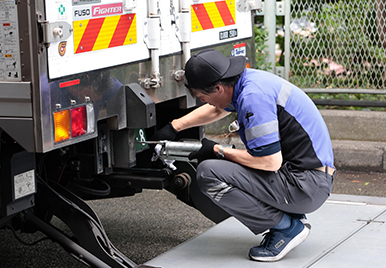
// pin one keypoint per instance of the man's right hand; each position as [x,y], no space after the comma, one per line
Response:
[206,151]
[165,133]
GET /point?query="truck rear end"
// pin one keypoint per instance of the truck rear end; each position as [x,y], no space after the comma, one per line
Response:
[82,84]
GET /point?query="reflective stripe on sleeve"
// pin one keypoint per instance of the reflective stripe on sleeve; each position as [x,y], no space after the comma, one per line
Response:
[261,130]
[284,94]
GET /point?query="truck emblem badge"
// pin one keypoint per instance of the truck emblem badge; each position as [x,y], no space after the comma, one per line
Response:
[62,48]
[105,10]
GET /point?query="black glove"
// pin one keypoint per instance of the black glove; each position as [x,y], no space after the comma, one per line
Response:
[166,133]
[206,151]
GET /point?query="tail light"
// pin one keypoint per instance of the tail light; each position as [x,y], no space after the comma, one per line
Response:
[74,122]
[78,121]
[62,123]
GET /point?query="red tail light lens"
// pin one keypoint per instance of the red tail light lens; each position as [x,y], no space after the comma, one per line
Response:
[78,121]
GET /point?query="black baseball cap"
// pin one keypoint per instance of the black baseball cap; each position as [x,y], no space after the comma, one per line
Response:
[209,66]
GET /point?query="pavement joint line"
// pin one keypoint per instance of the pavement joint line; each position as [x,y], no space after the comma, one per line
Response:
[345,239]
[347,203]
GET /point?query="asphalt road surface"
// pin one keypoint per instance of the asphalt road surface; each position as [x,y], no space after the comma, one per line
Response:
[147,224]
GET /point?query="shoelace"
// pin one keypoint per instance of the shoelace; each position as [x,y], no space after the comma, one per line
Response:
[267,239]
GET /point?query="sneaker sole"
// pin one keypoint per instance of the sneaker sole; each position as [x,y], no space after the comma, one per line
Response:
[306,223]
[297,240]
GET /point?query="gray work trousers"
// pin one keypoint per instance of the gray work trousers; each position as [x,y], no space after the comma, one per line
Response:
[257,198]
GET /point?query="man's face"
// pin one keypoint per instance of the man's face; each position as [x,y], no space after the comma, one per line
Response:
[218,98]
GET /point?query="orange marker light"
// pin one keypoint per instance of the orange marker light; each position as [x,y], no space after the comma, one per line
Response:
[78,121]
[62,123]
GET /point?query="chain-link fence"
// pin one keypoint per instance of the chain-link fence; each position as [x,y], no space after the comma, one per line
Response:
[338,44]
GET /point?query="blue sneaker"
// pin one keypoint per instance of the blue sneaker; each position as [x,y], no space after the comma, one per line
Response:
[303,219]
[277,243]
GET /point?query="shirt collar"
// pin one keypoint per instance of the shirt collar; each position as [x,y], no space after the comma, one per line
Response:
[238,87]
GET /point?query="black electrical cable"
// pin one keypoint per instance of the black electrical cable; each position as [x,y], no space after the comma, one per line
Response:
[108,244]
[92,191]
[23,242]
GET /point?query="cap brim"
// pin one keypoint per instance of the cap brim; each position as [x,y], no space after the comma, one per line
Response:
[237,66]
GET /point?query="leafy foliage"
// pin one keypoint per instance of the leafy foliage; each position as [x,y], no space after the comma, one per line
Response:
[261,36]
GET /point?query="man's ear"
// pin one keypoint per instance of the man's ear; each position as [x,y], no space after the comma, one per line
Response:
[220,88]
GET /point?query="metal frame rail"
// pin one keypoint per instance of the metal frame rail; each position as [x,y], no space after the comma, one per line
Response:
[357,103]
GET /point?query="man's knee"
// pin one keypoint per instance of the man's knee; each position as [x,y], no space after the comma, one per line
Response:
[204,167]
[205,172]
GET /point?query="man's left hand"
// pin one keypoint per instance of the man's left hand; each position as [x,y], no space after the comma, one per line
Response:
[206,151]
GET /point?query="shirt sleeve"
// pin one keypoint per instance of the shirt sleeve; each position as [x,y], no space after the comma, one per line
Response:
[258,114]
[266,149]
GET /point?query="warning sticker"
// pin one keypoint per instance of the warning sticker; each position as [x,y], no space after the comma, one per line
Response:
[24,184]
[239,50]
[105,32]
[9,42]
[213,15]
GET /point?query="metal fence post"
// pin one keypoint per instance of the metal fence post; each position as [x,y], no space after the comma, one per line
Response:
[287,39]
[270,26]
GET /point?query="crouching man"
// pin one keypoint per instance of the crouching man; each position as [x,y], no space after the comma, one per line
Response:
[287,168]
